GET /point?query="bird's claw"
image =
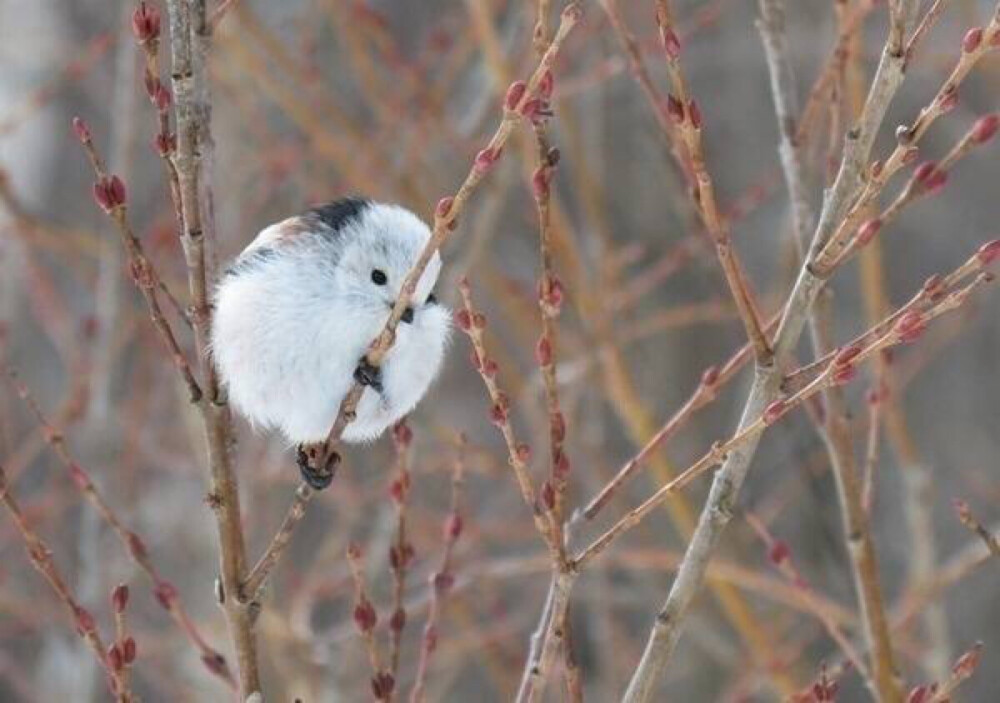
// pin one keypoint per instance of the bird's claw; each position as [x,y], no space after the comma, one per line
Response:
[368,375]
[317,465]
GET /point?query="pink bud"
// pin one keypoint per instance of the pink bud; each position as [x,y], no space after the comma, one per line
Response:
[162,98]
[778,552]
[402,433]
[868,230]
[165,594]
[498,414]
[443,581]
[968,662]
[924,171]
[910,326]
[119,597]
[921,694]
[398,620]
[675,110]
[774,411]
[443,210]
[109,193]
[561,465]
[984,128]
[972,39]
[546,85]
[115,659]
[989,252]
[365,616]
[84,620]
[548,496]
[523,453]
[490,367]
[934,286]
[164,143]
[949,100]
[557,426]
[543,352]
[844,374]
[81,129]
[936,182]
[485,160]
[695,112]
[710,376]
[453,527]
[463,319]
[671,44]
[846,355]
[129,650]
[146,23]
[540,183]
[514,94]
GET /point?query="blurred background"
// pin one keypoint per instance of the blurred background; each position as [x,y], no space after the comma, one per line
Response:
[315,99]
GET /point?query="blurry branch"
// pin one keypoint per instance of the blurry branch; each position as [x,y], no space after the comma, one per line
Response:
[165,592]
[771,26]
[41,559]
[442,579]
[969,520]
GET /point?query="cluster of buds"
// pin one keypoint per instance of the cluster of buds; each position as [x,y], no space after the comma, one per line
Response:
[535,107]
[121,654]
[109,192]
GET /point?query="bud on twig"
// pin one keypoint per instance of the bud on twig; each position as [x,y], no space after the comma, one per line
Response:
[146,23]
[109,192]
[868,230]
[365,616]
[984,128]
[119,597]
[989,252]
[82,130]
[972,39]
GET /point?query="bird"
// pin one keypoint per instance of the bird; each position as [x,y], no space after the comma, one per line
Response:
[297,310]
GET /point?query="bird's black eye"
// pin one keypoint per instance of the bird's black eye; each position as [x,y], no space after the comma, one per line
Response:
[379,278]
[432,299]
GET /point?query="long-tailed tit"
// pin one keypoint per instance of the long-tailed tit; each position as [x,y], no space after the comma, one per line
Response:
[297,310]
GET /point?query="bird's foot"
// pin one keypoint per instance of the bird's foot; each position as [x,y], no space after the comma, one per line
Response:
[368,375]
[318,464]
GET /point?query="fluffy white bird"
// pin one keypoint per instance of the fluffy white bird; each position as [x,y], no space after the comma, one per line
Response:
[297,310]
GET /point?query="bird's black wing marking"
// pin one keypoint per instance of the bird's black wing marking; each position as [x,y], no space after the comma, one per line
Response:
[338,214]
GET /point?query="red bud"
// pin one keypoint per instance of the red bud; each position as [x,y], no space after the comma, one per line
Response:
[936,182]
[514,94]
[984,128]
[844,374]
[398,620]
[543,352]
[137,546]
[774,411]
[847,355]
[81,129]
[924,171]
[675,110]
[695,113]
[523,453]
[498,414]
[129,650]
[910,326]
[119,597]
[778,552]
[365,616]
[453,527]
[561,465]
[546,85]
[868,230]
[671,44]
[485,160]
[710,376]
[402,433]
[146,23]
[115,659]
[989,252]
[166,594]
[972,39]
[949,100]
[443,581]
[463,319]
[490,367]
[79,476]
[548,496]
